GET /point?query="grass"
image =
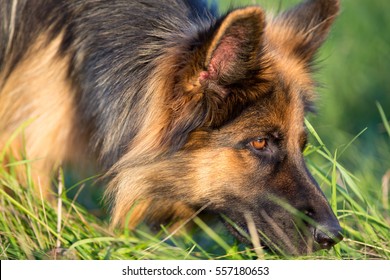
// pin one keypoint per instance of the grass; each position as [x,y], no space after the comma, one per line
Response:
[31,228]
[364,219]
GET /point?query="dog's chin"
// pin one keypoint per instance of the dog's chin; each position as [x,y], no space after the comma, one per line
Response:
[241,233]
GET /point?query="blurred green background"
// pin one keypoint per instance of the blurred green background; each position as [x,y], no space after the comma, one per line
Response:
[354,68]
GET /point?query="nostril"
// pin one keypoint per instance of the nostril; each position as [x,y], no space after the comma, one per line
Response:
[324,240]
[308,213]
[327,238]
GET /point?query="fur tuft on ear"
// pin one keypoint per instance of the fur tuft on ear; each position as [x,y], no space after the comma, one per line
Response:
[303,29]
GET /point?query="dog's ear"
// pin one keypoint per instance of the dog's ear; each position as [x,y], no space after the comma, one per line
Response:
[216,81]
[304,28]
[234,47]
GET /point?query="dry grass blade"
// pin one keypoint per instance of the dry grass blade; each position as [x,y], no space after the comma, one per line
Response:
[385,193]
[255,239]
[59,209]
[280,233]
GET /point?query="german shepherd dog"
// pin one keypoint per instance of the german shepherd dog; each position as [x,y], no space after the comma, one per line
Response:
[183,109]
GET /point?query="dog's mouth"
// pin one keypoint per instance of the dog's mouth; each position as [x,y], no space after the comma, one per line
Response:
[242,233]
[307,243]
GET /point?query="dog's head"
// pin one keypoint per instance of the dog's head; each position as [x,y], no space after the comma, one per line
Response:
[258,87]
[236,126]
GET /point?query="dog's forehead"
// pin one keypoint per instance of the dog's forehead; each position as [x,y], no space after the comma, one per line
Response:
[291,92]
[275,113]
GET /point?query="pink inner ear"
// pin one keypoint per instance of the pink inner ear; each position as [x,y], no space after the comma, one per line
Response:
[223,59]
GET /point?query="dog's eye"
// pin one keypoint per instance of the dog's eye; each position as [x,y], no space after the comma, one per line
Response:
[259,144]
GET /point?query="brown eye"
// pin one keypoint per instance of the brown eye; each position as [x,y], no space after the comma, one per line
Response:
[259,144]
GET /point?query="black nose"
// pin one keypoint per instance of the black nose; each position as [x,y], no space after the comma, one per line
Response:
[327,237]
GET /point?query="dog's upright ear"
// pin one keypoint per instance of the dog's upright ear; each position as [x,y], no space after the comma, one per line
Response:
[226,60]
[234,47]
[302,29]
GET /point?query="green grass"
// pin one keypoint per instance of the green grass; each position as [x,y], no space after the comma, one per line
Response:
[350,161]
[31,228]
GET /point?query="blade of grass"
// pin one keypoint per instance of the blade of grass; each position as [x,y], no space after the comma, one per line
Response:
[13,136]
[333,201]
[31,215]
[384,118]
[59,206]
[317,137]
[352,141]
[212,234]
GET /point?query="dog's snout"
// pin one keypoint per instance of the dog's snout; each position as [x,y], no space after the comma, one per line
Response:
[327,237]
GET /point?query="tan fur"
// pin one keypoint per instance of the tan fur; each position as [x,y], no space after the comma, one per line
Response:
[38,92]
[147,145]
